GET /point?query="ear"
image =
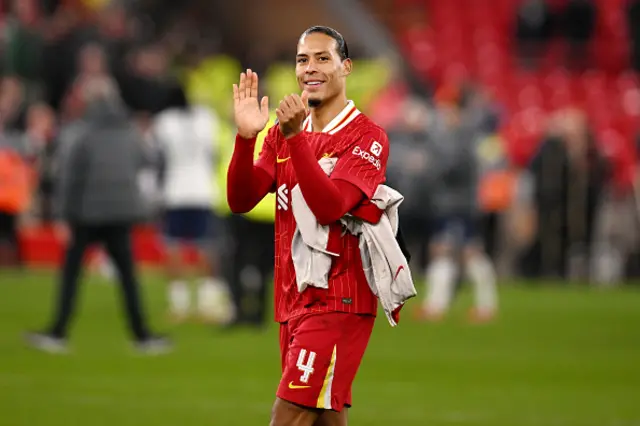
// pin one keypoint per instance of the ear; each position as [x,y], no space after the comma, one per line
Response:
[347,67]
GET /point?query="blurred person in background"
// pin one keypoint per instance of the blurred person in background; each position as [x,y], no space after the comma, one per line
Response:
[152,171]
[64,38]
[253,255]
[15,192]
[568,178]
[100,200]
[144,85]
[24,45]
[115,29]
[41,136]
[616,241]
[577,24]
[91,63]
[149,182]
[16,169]
[410,171]
[496,178]
[187,136]
[12,104]
[534,28]
[73,26]
[453,139]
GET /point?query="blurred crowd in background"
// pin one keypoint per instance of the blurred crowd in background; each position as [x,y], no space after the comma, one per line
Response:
[527,110]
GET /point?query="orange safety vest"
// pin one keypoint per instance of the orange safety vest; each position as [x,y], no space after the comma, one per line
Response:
[15,182]
[497,190]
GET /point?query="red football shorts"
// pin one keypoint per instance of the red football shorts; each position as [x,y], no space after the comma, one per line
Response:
[321,353]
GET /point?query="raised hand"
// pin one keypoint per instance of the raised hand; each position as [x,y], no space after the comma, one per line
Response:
[291,114]
[250,116]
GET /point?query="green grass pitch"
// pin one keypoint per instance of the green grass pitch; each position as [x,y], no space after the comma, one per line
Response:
[557,356]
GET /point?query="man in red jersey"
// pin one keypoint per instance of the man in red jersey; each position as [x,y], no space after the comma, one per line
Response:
[323,332]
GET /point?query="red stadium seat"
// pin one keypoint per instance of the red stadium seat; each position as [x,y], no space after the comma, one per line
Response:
[467,38]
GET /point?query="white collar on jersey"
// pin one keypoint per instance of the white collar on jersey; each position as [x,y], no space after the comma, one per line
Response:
[346,116]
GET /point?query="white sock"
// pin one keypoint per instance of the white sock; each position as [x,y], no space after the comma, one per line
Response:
[208,289]
[214,301]
[441,275]
[608,267]
[483,277]
[105,266]
[179,297]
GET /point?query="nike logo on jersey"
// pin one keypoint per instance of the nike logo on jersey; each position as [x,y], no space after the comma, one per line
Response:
[292,386]
[283,160]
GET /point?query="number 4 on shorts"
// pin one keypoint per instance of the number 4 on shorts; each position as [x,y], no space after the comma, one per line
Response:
[305,367]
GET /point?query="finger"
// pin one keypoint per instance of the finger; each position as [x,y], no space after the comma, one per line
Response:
[243,86]
[300,106]
[279,115]
[264,107]
[305,101]
[284,106]
[254,85]
[296,107]
[291,102]
[247,91]
[236,95]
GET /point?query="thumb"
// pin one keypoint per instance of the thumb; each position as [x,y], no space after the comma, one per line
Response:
[264,106]
[305,100]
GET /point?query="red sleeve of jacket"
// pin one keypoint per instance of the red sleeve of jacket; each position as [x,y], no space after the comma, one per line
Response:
[328,199]
[247,184]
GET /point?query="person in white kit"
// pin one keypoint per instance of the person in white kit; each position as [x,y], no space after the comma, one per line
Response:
[187,135]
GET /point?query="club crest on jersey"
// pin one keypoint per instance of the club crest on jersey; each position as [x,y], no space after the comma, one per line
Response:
[366,156]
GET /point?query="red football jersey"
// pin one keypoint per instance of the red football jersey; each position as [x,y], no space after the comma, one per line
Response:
[362,149]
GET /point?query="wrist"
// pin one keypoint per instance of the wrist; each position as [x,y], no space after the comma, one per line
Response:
[295,138]
[241,138]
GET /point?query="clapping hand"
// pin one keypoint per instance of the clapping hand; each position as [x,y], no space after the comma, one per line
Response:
[291,114]
[250,116]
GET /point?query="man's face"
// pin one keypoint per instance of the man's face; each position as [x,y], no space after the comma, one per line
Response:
[92,60]
[319,68]
[40,119]
[11,95]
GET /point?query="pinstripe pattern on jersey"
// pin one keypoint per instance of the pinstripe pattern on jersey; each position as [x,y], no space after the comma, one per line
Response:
[348,289]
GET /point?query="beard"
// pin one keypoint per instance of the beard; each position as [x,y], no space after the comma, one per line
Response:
[314,103]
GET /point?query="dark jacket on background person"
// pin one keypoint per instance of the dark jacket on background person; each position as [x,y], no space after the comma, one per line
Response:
[99,169]
[454,169]
[566,197]
[416,184]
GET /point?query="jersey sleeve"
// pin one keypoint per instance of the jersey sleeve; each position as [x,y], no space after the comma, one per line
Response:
[267,158]
[364,162]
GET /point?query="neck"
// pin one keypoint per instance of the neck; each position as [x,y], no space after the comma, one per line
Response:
[322,115]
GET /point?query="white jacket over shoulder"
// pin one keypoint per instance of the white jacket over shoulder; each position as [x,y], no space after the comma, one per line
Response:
[385,266]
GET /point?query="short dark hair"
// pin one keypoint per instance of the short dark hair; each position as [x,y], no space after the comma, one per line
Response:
[177,98]
[341,45]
